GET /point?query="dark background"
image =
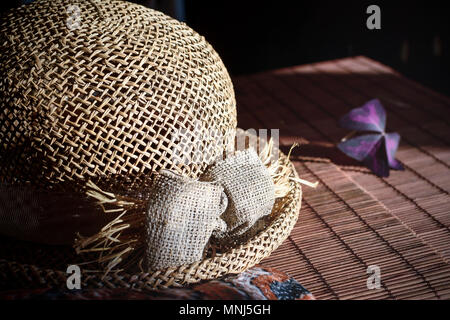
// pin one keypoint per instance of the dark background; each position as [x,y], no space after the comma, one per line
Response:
[253,36]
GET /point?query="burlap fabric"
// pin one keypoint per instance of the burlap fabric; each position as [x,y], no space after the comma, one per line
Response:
[181,216]
[249,187]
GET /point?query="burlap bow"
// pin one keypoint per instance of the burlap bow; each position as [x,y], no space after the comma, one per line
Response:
[184,213]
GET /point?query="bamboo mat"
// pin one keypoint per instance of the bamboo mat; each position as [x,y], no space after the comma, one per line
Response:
[355,219]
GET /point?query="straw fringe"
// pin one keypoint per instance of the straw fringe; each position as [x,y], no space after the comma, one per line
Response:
[110,241]
[279,169]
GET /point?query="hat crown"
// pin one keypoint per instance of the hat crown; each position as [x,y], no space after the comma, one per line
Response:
[98,88]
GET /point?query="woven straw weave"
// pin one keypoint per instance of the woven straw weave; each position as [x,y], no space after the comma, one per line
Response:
[116,95]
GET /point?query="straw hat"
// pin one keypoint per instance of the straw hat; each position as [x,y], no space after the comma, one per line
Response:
[110,93]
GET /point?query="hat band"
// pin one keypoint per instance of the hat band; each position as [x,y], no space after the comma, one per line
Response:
[183,214]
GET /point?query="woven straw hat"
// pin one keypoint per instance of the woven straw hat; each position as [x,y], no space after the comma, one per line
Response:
[112,92]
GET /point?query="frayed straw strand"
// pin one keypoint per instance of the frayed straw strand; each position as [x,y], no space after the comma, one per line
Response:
[279,170]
